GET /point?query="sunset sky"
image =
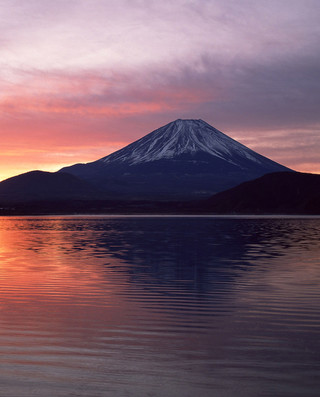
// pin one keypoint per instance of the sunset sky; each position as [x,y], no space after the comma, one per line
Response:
[82,78]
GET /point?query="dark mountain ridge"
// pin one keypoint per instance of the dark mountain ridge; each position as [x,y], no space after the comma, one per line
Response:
[275,193]
[41,185]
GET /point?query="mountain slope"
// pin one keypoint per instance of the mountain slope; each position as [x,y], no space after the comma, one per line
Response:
[275,193]
[181,160]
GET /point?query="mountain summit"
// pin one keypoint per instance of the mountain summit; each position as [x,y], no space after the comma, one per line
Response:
[183,137]
[182,160]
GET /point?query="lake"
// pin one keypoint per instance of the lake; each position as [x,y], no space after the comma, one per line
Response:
[159,306]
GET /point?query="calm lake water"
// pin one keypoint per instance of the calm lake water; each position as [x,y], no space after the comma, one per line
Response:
[159,306]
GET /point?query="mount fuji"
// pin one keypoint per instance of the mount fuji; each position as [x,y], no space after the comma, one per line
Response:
[185,159]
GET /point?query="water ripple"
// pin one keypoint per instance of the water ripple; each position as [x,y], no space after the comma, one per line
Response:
[159,306]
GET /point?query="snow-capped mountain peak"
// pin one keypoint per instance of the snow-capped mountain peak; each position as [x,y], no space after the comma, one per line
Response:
[183,159]
[181,137]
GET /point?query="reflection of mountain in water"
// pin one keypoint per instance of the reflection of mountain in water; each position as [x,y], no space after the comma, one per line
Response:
[180,253]
[198,253]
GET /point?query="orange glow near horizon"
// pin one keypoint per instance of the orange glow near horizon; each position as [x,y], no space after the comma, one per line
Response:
[19,156]
[52,120]
[64,120]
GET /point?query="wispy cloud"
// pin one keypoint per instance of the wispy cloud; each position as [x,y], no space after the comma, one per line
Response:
[102,73]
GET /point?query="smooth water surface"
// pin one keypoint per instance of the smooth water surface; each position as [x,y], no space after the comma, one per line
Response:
[159,306]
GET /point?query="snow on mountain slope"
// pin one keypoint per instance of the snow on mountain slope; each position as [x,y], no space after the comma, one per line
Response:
[182,137]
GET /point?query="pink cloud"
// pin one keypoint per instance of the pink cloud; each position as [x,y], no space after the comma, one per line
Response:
[81,117]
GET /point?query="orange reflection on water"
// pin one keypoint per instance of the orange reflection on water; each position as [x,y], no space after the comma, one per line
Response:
[48,276]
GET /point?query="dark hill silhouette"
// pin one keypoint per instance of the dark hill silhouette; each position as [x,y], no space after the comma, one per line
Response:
[46,193]
[40,185]
[275,193]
